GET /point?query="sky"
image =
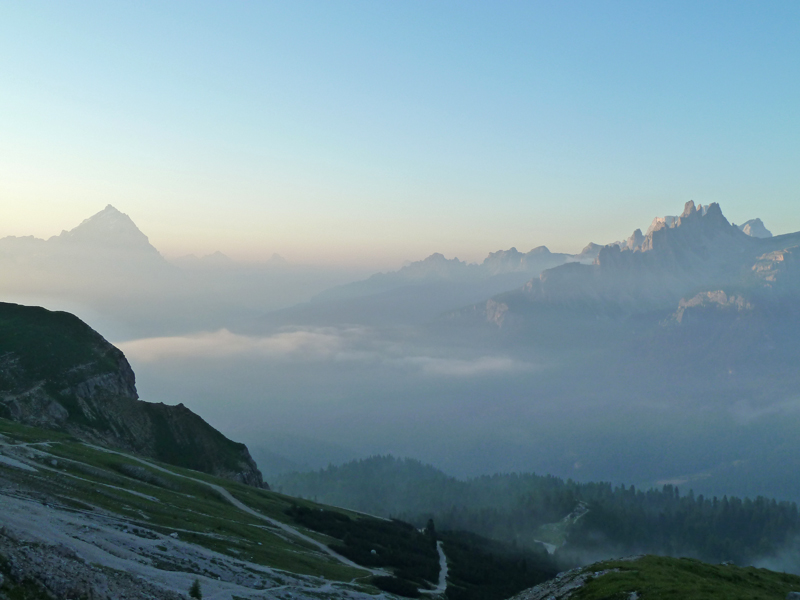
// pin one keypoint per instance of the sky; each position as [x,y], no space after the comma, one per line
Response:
[369,133]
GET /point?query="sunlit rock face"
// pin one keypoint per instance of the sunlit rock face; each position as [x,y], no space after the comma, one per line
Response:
[755,228]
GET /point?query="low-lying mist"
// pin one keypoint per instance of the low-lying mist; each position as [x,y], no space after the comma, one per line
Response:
[305,397]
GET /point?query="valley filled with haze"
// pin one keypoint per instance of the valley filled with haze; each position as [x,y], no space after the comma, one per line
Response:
[667,357]
[385,299]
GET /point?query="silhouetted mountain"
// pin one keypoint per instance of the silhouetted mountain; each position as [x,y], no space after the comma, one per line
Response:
[107,267]
[497,270]
[215,261]
[421,291]
[108,229]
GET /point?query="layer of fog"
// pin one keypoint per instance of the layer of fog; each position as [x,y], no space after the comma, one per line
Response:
[304,397]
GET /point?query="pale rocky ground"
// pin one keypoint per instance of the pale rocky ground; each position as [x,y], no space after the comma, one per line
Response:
[566,584]
[98,555]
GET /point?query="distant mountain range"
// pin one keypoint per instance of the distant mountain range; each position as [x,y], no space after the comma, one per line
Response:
[107,267]
[107,257]
[423,290]
[697,251]
[107,244]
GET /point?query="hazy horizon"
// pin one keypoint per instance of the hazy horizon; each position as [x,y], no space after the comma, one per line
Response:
[366,135]
[615,231]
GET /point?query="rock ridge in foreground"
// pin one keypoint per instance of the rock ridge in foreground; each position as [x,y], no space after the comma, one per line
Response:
[57,373]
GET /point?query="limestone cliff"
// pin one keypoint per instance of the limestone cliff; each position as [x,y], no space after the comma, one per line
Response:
[58,373]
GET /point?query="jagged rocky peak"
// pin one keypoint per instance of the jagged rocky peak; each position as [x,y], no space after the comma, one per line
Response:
[512,255]
[670,221]
[635,241]
[108,228]
[661,223]
[708,219]
[710,214]
[503,256]
[755,228]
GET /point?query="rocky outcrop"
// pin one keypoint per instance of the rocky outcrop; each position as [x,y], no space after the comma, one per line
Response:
[564,586]
[58,373]
[712,300]
[698,249]
[755,228]
[780,266]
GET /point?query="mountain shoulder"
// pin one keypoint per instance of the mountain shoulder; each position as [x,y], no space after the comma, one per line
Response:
[57,373]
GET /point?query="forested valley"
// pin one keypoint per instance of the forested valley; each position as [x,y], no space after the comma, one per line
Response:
[581,522]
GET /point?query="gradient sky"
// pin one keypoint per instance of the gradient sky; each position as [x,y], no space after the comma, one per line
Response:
[373,132]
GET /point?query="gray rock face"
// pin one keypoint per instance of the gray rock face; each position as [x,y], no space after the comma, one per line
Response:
[653,271]
[57,373]
[563,586]
[717,299]
[60,572]
[755,228]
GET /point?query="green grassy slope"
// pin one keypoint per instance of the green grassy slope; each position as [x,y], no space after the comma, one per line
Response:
[51,345]
[664,578]
[155,500]
[85,478]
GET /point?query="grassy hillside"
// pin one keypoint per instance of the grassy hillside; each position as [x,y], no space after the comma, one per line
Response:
[49,346]
[174,523]
[652,577]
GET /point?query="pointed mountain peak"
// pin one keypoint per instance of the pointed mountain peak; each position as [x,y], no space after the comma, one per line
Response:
[277,259]
[688,209]
[110,228]
[755,228]
[635,241]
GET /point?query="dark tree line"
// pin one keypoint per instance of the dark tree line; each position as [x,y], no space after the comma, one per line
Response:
[512,508]
[664,522]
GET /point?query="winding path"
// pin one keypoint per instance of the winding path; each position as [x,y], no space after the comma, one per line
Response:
[243,507]
[442,586]
[443,568]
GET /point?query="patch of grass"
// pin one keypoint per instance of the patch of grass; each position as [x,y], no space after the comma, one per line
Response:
[52,345]
[90,478]
[22,434]
[686,579]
